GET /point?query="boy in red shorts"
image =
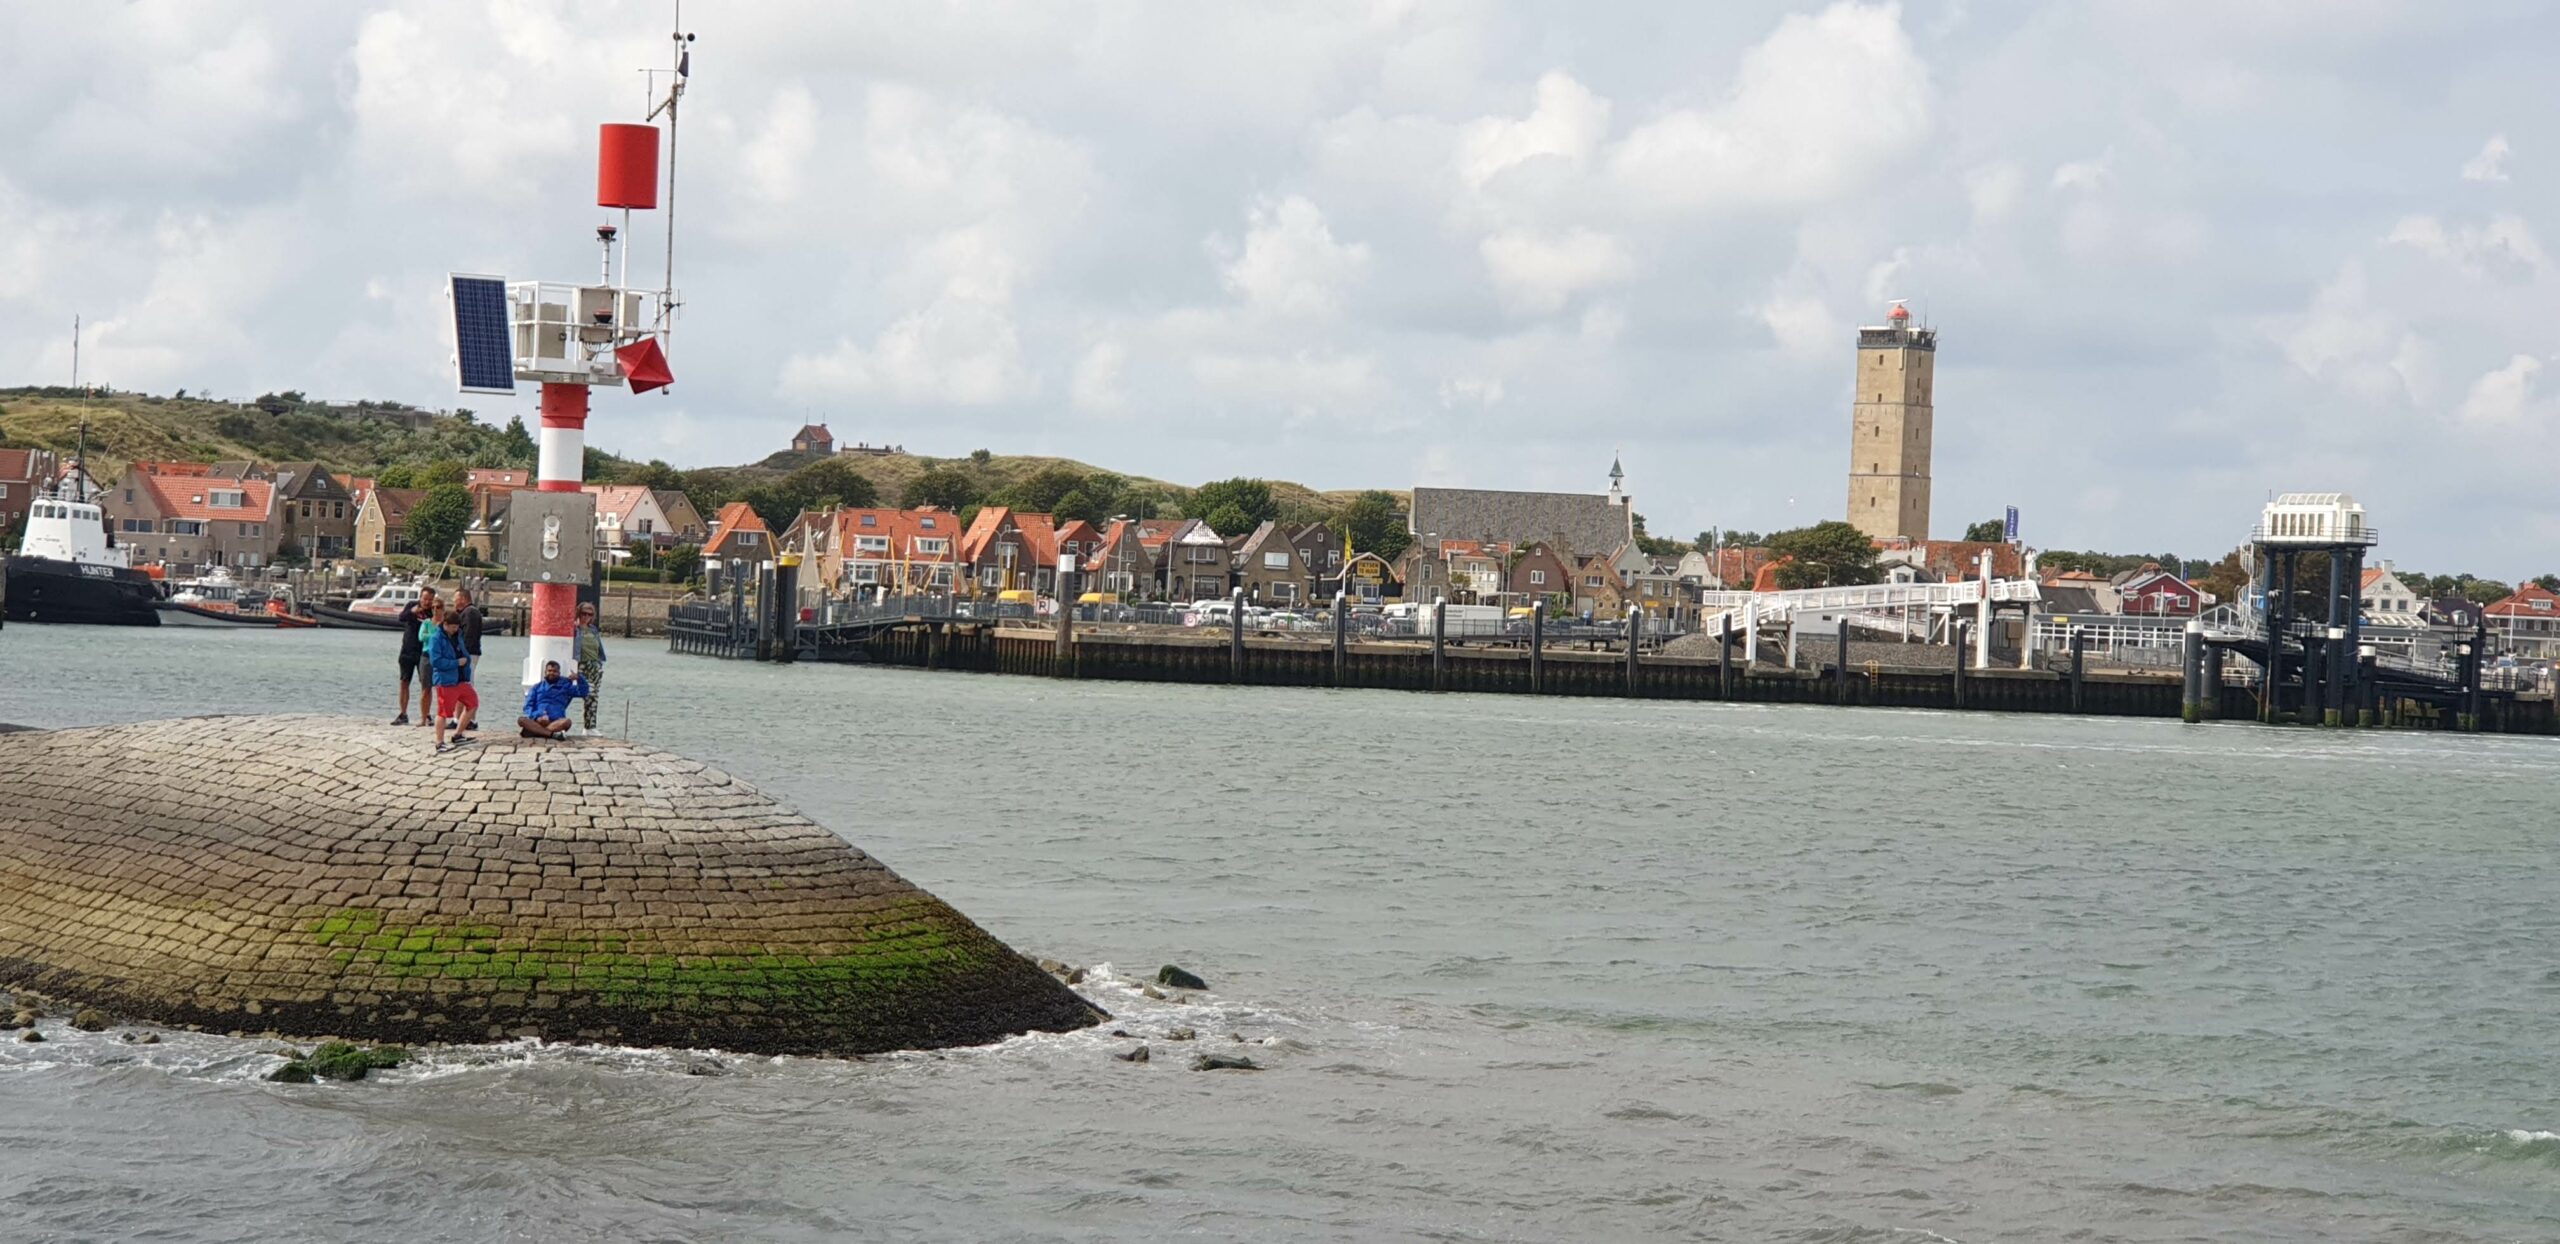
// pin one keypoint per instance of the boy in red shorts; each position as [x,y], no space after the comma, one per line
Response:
[450,662]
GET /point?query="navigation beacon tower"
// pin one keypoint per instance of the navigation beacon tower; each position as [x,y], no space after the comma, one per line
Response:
[570,337]
[1890,428]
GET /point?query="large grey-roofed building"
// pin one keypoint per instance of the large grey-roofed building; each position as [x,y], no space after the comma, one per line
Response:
[1586,523]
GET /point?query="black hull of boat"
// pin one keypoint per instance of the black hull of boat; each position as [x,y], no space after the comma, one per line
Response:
[42,589]
[182,614]
[332,616]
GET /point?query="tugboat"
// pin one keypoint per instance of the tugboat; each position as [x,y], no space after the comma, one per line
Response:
[65,571]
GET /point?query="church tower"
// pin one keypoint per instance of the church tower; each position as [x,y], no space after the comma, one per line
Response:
[1890,426]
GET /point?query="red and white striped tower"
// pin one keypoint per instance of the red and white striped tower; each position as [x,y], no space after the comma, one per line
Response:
[562,468]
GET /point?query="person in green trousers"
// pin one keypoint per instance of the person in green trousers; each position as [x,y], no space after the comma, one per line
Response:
[589,647]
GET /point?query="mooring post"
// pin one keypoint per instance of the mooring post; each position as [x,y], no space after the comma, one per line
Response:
[2333,672]
[1840,676]
[2079,655]
[1724,659]
[1958,697]
[2209,685]
[2365,698]
[2191,701]
[1635,632]
[1062,661]
[786,618]
[1440,643]
[1235,636]
[2469,718]
[1538,648]
[1341,635]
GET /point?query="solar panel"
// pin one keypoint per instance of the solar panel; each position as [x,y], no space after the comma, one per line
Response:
[482,353]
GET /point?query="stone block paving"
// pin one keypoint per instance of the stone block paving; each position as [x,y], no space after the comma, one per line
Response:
[321,876]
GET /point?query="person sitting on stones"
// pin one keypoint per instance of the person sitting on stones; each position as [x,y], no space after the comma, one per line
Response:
[451,664]
[546,703]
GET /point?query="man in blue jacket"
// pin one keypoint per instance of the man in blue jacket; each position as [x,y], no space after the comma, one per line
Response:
[546,703]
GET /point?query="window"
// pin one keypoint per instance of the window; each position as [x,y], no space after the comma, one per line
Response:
[185,527]
[866,572]
[1275,561]
[230,499]
[939,545]
[870,520]
[927,524]
[1537,578]
[871,544]
[337,509]
[128,496]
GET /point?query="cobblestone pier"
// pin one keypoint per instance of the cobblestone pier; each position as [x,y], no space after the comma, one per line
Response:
[318,876]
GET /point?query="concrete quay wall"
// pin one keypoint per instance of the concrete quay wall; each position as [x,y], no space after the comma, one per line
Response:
[319,876]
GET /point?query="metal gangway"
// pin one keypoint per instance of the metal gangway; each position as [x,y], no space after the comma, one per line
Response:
[1907,608]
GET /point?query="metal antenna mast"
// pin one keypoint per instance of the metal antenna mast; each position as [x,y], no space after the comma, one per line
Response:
[675,94]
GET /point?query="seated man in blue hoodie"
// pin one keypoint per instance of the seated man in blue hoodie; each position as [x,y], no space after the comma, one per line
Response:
[546,703]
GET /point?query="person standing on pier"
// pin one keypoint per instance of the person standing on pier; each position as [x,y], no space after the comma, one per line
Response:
[468,611]
[589,646]
[455,700]
[414,619]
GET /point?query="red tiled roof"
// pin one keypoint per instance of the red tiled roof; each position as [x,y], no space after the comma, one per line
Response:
[983,527]
[618,499]
[1738,564]
[496,478]
[18,465]
[1154,532]
[813,432]
[1039,537]
[902,528]
[191,497]
[735,517]
[2522,603]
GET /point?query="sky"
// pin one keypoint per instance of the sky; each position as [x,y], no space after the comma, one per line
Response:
[2180,254]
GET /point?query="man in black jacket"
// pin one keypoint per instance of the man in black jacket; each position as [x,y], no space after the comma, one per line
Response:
[412,657]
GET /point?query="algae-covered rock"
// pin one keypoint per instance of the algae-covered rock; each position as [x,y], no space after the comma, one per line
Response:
[296,1072]
[342,1060]
[89,1019]
[1178,978]
[320,876]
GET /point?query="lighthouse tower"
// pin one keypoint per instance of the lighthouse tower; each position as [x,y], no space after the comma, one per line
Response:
[1890,428]
[570,338]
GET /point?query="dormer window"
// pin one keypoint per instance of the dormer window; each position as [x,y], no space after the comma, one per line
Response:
[870,520]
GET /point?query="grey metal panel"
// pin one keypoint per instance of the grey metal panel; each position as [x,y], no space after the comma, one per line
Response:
[551,536]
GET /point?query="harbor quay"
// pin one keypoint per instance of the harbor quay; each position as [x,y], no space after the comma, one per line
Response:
[1835,670]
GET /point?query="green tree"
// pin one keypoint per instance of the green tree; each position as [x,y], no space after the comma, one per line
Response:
[776,507]
[1249,498]
[1230,519]
[1656,546]
[2228,580]
[2547,582]
[398,475]
[1827,554]
[442,472]
[1374,525]
[437,520]
[518,442]
[657,474]
[948,487]
[1077,504]
[1040,491]
[2484,591]
[683,562]
[1988,531]
[981,457]
[828,482]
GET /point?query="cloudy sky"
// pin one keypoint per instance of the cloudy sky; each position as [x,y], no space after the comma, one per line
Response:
[2181,254]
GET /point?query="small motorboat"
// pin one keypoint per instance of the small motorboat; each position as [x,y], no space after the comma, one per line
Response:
[177,612]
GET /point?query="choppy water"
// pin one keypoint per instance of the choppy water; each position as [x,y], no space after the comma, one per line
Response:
[1521,971]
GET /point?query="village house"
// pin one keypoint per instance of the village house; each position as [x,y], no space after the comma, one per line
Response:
[813,438]
[1006,550]
[1541,573]
[1598,593]
[2386,601]
[2150,591]
[2526,623]
[627,518]
[2454,612]
[315,516]
[684,522]
[1463,571]
[486,533]
[382,525]
[894,552]
[739,540]
[23,473]
[1269,569]
[1320,550]
[1196,563]
[1949,561]
[1657,588]
[184,516]
[1121,564]
[1077,541]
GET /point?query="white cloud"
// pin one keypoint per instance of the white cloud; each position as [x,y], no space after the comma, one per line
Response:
[2092,174]
[2505,247]
[1476,391]
[1993,190]
[1537,275]
[1799,322]
[1819,108]
[778,158]
[2490,164]
[1567,124]
[2503,397]
[1290,264]
[2344,340]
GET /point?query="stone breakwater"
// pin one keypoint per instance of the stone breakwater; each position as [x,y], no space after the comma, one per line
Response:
[318,876]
